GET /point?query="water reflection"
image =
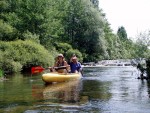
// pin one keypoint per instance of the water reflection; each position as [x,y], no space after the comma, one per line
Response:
[148,86]
[144,90]
[60,97]
[37,92]
[65,92]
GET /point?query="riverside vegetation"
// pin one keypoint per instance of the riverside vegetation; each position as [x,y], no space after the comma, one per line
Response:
[33,32]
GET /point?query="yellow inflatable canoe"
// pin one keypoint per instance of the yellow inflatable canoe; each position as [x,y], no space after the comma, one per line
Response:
[60,77]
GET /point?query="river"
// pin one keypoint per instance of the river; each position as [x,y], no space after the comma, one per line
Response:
[101,90]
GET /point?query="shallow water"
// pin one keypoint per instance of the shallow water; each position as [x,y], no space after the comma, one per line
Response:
[101,90]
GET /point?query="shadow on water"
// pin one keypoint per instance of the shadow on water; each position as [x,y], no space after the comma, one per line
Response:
[101,90]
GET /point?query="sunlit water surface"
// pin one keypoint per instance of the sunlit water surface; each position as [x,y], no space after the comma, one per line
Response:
[101,90]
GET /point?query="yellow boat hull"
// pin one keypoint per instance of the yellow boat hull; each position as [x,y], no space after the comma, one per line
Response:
[60,77]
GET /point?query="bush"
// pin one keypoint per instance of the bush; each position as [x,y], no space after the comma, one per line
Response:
[67,50]
[17,54]
[63,47]
[6,31]
[70,52]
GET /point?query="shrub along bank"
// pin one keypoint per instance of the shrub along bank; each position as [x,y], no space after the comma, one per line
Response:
[15,55]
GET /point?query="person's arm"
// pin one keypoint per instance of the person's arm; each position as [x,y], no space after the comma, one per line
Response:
[79,67]
[56,63]
[53,68]
[67,66]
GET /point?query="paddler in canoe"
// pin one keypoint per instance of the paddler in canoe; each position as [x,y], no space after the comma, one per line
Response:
[73,67]
[61,71]
[60,62]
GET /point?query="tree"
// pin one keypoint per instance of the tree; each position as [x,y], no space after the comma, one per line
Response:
[95,3]
[144,38]
[7,32]
[83,25]
[122,34]
[143,44]
[112,42]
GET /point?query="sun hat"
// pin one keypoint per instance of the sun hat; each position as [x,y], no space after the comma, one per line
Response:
[60,55]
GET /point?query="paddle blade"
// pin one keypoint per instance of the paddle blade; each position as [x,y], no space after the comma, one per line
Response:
[37,69]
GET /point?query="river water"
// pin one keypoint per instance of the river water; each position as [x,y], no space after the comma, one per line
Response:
[101,90]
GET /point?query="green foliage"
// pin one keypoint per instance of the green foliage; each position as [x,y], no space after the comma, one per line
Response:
[1,73]
[62,47]
[71,52]
[122,34]
[19,53]
[95,3]
[7,32]
[144,38]
[113,43]
[3,5]
[29,36]
[68,51]
[83,25]
[61,26]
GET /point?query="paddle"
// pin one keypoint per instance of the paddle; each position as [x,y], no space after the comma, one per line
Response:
[81,73]
[39,69]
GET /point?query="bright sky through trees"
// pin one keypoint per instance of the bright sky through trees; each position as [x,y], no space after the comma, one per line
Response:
[132,14]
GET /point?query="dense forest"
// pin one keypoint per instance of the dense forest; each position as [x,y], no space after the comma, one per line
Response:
[33,32]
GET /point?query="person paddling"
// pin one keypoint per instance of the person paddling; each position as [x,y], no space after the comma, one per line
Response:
[75,65]
[60,62]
